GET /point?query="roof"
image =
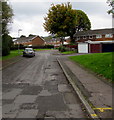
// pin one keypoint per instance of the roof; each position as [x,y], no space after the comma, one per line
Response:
[95,32]
[97,42]
[26,39]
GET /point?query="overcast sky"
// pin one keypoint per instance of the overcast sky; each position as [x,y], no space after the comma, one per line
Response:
[29,15]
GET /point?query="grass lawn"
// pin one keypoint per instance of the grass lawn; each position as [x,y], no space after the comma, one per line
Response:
[13,53]
[100,63]
[68,52]
[42,49]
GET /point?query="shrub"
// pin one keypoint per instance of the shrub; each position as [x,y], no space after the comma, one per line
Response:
[6,44]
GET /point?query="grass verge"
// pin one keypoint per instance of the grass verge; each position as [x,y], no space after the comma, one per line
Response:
[100,63]
[68,52]
[42,49]
[13,53]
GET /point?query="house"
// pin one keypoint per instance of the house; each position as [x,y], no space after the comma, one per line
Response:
[56,42]
[95,41]
[32,40]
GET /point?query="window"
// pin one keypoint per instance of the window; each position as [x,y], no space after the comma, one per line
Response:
[90,37]
[84,37]
[108,36]
[98,36]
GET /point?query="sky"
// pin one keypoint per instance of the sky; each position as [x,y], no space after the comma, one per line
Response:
[29,15]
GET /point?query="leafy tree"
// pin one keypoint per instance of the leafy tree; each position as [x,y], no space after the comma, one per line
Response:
[22,36]
[6,19]
[60,19]
[6,16]
[6,44]
[63,21]
[82,23]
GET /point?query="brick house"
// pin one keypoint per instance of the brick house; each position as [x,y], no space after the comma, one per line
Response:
[30,41]
[95,41]
[95,35]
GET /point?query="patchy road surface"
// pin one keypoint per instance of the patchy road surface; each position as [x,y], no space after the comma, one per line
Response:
[37,88]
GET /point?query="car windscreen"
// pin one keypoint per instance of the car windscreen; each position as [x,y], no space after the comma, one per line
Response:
[28,50]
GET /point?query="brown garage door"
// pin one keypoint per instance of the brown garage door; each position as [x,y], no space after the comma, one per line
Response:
[95,48]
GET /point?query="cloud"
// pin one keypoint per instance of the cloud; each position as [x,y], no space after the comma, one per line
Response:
[100,22]
[57,1]
[29,16]
[33,25]
[29,8]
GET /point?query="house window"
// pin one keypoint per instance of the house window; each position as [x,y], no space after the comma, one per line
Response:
[90,37]
[108,36]
[78,38]
[84,37]
[98,36]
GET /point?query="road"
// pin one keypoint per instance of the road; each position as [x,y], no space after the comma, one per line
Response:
[37,88]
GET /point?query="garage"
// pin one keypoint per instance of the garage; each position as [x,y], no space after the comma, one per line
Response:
[107,47]
[95,48]
[83,48]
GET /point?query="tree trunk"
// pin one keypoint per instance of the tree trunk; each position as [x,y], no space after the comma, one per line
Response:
[72,39]
[62,41]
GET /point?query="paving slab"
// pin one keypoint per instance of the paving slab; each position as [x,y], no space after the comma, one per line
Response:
[51,103]
[31,90]
[27,114]
[25,99]
[12,94]
[69,98]
[45,93]
[63,88]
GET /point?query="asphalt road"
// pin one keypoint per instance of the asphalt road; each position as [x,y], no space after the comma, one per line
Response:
[37,88]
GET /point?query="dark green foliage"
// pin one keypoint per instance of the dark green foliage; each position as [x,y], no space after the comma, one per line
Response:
[63,49]
[60,19]
[6,44]
[6,16]
[63,21]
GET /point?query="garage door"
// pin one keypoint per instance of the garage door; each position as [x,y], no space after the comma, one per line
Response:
[108,47]
[95,48]
[82,47]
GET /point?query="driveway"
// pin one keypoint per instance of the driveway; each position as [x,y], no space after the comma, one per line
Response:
[37,88]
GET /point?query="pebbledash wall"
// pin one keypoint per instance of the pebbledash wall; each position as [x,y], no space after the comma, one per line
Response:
[95,41]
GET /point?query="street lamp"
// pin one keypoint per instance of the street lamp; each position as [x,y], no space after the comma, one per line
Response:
[18,37]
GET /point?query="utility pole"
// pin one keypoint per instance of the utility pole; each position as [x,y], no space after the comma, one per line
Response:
[18,37]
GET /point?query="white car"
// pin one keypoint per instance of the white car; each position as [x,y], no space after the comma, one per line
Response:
[28,52]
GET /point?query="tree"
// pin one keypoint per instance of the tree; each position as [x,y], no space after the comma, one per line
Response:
[6,19]
[63,21]
[111,3]
[60,19]
[6,44]
[82,23]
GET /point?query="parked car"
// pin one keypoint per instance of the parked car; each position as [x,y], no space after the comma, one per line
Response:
[28,52]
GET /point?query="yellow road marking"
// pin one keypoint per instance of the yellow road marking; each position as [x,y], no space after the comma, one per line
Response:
[94,115]
[102,109]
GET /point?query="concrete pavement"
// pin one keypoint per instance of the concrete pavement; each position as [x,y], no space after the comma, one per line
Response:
[97,93]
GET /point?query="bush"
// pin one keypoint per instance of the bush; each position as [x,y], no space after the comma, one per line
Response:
[6,44]
[63,49]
